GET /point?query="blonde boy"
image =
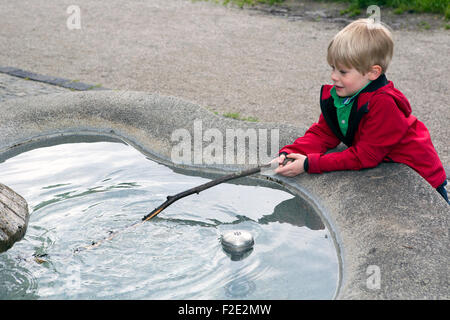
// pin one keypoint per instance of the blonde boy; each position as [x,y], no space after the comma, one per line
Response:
[366,112]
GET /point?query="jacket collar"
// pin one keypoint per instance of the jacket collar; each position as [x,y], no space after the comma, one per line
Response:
[376,84]
[357,112]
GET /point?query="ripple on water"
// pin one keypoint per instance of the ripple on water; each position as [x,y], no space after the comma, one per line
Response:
[80,192]
[16,282]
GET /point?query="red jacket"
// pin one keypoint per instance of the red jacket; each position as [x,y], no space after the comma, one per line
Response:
[381,128]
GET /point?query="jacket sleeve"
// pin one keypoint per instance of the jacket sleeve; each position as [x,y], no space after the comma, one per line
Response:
[383,127]
[317,139]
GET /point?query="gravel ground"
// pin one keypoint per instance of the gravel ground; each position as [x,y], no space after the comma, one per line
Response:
[227,60]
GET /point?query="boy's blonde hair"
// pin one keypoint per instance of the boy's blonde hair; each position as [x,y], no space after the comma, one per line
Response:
[361,45]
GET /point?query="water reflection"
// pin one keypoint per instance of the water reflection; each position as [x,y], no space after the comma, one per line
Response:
[101,187]
[238,256]
[295,212]
[292,211]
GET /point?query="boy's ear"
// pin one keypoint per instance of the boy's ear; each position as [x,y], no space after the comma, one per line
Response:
[375,72]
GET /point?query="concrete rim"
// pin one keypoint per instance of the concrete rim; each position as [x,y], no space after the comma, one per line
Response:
[365,233]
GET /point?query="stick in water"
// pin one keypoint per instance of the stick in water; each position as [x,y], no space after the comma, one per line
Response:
[172,199]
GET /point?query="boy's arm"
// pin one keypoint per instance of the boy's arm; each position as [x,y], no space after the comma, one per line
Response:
[317,139]
[385,125]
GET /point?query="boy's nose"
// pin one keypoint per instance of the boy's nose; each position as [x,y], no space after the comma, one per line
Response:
[334,76]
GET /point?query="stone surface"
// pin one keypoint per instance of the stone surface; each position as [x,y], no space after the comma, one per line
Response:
[390,227]
[12,87]
[13,217]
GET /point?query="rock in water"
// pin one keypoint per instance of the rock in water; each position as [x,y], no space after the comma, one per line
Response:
[14,217]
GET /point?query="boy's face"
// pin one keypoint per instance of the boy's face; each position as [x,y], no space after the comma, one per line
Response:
[348,81]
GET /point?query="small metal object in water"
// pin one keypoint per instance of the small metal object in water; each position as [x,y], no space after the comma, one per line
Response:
[238,244]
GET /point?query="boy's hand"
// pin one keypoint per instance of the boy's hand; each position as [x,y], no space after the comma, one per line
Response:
[292,168]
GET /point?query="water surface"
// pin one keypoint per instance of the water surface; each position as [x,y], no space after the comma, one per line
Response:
[78,192]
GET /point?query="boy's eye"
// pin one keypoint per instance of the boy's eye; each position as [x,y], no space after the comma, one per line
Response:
[341,71]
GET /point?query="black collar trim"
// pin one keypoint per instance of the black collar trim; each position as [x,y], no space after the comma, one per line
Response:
[376,84]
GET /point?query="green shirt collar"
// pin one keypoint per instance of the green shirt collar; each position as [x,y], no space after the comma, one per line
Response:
[341,102]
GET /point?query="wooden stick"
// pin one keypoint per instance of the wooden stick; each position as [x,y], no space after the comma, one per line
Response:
[172,199]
